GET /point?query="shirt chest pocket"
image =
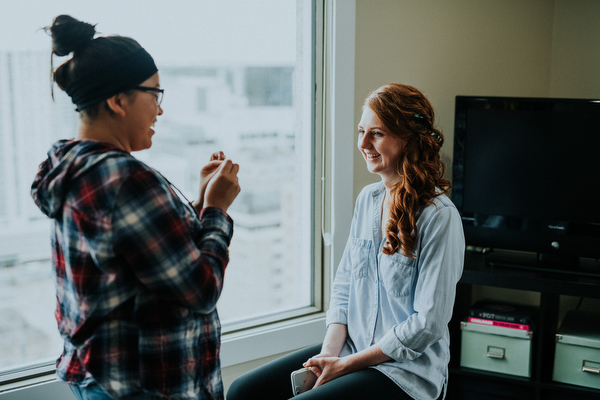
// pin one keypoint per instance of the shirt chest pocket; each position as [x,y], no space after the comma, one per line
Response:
[360,257]
[398,274]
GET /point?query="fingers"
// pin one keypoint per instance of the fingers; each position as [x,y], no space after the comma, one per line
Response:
[223,186]
[319,381]
[229,167]
[325,367]
[211,166]
[314,366]
[218,155]
[318,373]
[226,167]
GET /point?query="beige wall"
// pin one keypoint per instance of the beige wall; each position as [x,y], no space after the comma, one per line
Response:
[576,49]
[475,47]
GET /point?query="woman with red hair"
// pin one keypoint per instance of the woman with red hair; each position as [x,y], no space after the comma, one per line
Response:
[393,294]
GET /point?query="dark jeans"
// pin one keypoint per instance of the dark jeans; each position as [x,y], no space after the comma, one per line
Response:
[272,382]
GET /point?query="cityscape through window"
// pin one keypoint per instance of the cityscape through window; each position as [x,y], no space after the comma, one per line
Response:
[238,77]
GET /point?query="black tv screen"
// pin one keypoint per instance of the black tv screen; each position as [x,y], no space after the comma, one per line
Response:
[525,174]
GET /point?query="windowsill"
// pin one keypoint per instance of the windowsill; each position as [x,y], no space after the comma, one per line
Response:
[272,339]
[236,348]
[28,377]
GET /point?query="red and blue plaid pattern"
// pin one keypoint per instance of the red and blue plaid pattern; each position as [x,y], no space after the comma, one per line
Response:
[138,274]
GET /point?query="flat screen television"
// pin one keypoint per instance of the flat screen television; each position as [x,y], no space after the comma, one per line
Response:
[526,176]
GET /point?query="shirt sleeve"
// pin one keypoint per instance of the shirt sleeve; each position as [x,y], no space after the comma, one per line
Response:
[439,267]
[338,307]
[340,292]
[176,255]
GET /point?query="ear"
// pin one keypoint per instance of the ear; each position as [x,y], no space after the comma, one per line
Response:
[118,104]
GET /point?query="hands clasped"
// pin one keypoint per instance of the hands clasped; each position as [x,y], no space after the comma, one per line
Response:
[326,367]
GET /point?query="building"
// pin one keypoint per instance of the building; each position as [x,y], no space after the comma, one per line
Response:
[246,111]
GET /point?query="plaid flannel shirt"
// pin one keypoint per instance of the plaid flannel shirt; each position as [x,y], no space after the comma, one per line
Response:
[138,275]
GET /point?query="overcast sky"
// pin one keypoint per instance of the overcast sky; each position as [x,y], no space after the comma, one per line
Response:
[190,31]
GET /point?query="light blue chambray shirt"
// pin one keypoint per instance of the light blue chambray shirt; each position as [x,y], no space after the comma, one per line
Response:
[402,304]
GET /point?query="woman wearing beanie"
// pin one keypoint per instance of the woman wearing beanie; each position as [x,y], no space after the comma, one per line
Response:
[138,271]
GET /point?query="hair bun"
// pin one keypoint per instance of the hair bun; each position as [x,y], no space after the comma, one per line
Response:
[69,34]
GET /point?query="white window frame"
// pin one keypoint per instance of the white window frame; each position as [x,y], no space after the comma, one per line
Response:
[334,203]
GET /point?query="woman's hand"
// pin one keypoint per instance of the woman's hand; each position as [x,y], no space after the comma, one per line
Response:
[206,174]
[222,186]
[332,346]
[327,368]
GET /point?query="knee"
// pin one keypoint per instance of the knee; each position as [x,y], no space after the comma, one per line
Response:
[240,389]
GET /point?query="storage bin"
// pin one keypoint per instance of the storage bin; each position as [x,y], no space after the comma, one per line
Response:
[496,349]
[577,356]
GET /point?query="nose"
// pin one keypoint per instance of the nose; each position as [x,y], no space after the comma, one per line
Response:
[363,141]
[160,110]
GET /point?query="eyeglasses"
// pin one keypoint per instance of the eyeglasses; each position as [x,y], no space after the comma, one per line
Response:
[158,92]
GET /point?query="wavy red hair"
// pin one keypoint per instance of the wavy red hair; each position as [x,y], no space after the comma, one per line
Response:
[407,113]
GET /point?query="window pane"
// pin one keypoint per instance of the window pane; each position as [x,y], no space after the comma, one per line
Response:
[237,78]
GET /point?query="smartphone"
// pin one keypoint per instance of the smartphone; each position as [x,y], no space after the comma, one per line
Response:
[302,380]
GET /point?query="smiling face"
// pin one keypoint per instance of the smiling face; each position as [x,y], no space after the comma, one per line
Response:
[143,115]
[380,148]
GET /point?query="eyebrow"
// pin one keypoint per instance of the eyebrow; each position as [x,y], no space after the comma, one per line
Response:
[380,128]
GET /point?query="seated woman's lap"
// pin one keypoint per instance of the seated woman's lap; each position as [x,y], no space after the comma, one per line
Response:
[272,382]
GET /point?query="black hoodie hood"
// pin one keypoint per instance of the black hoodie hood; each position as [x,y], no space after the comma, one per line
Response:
[67,160]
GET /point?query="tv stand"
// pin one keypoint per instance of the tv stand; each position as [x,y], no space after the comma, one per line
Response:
[509,259]
[513,270]
[542,262]
[556,261]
